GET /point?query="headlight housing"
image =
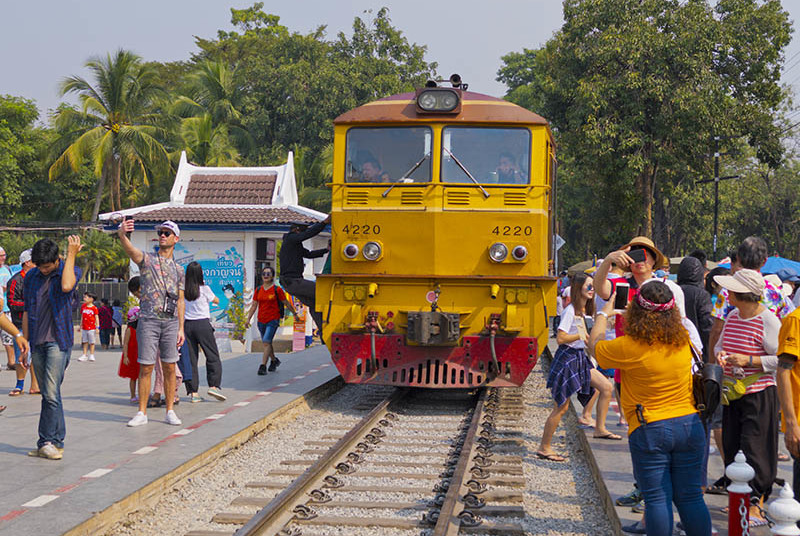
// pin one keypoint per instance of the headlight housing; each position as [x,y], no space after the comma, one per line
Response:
[350,251]
[438,100]
[519,253]
[372,251]
[498,252]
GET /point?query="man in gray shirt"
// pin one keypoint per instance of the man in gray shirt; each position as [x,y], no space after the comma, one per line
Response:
[160,328]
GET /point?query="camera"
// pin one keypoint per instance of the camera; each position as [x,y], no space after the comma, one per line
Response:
[170,304]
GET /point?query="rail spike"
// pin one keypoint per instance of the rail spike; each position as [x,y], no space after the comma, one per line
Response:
[469,519]
[442,487]
[301,511]
[377,432]
[438,500]
[482,461]
[471,500]
[364,448]
[431,517]
[332,482]
[290,531]
[476,486]
[354,457]
[345,468]
[319,496]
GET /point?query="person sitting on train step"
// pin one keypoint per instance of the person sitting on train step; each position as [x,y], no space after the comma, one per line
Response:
[292,264]
[507,170]
[371,171]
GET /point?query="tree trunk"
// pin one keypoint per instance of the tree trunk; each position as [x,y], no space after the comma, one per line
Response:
[117,163]
[101,183]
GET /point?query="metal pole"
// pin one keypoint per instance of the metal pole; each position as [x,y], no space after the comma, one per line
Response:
[716,193]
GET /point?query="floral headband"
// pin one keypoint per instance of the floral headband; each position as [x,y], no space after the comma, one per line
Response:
[644,303]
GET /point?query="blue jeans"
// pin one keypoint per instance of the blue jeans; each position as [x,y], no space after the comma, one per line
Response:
[268,330]
[667,458]
[49,364]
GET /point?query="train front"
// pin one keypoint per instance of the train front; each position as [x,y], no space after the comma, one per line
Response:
[441,272]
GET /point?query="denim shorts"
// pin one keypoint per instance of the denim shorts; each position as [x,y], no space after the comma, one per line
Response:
[268,330]
[157,337]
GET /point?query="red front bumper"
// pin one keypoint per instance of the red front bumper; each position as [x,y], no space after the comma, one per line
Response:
[442,367]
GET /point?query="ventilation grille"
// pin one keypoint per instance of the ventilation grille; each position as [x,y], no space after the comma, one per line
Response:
[457,197]
[411,198]
[514,199]
[431,373]
[357,197]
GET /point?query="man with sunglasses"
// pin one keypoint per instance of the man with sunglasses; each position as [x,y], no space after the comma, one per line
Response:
[266,299]
[161,313]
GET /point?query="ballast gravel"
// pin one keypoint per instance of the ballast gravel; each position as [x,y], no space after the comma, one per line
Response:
[560,498]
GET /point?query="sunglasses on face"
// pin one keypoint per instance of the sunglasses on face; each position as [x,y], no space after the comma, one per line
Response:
[266,274]
[164,232]
[589,288]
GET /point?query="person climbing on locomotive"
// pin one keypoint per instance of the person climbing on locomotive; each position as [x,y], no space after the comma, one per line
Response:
[292,264]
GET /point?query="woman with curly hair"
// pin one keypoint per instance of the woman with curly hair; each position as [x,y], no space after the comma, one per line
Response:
[666,436]
[571,371]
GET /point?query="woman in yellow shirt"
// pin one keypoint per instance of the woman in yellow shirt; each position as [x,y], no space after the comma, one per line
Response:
[666,436]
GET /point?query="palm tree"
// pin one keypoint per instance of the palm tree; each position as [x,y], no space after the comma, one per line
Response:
[312,173]
[206,144]
[116,128]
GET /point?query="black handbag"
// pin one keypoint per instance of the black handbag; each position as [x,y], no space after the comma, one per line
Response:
[706,386]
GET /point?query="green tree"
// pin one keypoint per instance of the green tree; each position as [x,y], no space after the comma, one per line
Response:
[313,172]
[18,149]
[102,256]
[635,90]
[206,144]
[116,125]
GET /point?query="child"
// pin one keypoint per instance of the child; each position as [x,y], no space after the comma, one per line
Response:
[89,322]
[129,364]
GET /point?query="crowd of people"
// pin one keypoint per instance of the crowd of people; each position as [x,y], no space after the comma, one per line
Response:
[164,332]
[627,318]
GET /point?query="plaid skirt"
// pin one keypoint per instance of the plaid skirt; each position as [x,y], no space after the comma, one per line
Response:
[570,373]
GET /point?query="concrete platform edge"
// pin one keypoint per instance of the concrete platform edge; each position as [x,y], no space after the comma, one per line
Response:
[608,501]
[143,496]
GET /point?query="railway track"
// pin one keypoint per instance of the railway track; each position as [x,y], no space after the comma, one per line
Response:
[419,462]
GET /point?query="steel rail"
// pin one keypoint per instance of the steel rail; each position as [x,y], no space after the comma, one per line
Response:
[447,523]
[273,517]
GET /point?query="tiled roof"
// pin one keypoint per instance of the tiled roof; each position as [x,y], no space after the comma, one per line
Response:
[210,214]
[231,189]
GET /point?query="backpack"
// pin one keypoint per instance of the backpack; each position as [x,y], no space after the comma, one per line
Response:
[280,302]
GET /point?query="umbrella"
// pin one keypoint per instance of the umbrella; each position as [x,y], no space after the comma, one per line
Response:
[580,267]
[772,265]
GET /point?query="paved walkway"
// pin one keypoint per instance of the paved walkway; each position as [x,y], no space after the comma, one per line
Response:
[104,460]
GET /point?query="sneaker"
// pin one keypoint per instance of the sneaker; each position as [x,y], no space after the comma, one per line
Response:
[634,528]
[631,499]
[91,357]
[173,419]
[84,357]
[275,363]
[37,453]
[262,370]
[216,393]
[139,419]
[134,400]
[195,398]
[638,508]
[49,451]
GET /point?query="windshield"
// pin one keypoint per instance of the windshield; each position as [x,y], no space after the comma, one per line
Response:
[490,155]
[389,154]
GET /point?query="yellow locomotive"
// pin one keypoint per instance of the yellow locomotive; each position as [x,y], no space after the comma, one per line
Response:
[442,269]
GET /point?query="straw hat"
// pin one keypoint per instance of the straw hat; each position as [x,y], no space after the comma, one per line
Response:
[642,241]
[743,281]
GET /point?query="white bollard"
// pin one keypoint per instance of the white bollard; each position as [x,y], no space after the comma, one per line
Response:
[785,512]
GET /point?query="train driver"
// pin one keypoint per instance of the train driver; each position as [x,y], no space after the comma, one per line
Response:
[507,170]
[371,171]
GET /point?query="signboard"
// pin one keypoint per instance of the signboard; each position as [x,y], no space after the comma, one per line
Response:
[223,272]
[299,326]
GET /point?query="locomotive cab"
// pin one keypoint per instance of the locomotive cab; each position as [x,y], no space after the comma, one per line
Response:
[441,257]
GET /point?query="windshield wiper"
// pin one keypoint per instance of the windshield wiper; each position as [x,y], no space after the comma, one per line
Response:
[465,170]
[406,175]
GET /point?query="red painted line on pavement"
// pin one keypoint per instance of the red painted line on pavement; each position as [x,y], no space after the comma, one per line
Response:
[64,489]
[12,514]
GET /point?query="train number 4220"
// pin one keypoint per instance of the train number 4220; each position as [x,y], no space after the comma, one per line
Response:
[516,230]
[362,229]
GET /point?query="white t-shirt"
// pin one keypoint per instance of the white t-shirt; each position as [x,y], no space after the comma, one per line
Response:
[569,326]
[199,308]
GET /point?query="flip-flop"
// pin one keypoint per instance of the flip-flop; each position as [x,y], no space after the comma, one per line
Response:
[16,392]
[3,408]
[758,522]
[609,435]
[32,392]
[551,457]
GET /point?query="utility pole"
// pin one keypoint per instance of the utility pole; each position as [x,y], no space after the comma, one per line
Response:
[716,180]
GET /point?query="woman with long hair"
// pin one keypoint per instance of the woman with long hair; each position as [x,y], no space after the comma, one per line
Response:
[200,334]
[666,436]
[571,370]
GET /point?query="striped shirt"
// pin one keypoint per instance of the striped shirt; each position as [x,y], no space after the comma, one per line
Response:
[756,336]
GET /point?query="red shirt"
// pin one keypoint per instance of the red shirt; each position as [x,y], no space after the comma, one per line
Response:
[88,317]
[267,304]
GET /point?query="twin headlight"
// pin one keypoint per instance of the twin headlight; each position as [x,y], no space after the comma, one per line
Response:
[438,100]
[371,251]
[498,252]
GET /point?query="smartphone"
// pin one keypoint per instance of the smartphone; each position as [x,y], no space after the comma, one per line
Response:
[589,321]
[621,299]
[637,255]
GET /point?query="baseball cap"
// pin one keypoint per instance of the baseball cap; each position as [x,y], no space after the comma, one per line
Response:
[744,280]
[787,274]
[170,226]
[25,256]
[2,251]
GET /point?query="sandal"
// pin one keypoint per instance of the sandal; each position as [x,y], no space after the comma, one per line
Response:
[551,457]
[718,488]
[3,408]
[32,392]
[16,392]
[609,435]
[155,402]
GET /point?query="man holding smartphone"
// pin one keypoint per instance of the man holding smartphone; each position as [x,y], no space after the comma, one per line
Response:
[161,312]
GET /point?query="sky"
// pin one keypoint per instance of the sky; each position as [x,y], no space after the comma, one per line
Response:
[41,42]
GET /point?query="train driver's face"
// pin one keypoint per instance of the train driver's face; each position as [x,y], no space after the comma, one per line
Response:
[370,171]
